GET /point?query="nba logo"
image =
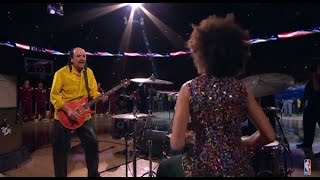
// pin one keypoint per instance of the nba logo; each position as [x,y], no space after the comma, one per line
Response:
[307,167]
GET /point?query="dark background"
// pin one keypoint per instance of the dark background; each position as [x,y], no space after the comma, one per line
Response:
[31,24]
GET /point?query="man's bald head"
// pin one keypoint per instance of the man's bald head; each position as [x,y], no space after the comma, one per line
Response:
[78,58]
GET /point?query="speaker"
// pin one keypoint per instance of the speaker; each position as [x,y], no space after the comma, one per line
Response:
[10,130]
[158,139]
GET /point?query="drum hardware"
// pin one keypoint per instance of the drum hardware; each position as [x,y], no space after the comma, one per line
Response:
[150,98]
[286,146]
[280,147]
[151,80]
[150,172]
[169,93]
[132,117]
[173,95]
[264,85]
[134,151]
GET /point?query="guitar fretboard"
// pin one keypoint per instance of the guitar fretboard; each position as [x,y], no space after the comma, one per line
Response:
[93,101]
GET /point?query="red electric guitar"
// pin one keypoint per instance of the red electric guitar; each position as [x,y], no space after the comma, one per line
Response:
[83,107]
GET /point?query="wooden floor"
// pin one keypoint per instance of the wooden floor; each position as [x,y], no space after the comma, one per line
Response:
[111,161]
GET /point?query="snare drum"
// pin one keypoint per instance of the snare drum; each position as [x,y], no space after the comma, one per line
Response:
[266,161]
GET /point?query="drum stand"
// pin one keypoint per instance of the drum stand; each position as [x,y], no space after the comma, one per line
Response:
[284,142]
[126,137]
[151,173]
[134,137]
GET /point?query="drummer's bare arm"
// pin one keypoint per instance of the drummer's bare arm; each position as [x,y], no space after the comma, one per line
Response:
[265,133]
[181,119]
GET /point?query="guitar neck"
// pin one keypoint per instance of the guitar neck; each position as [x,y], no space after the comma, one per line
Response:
[93,101]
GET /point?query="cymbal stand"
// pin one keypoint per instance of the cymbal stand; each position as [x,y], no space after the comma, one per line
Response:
[134,137]
[134,161]
[150,101]
[150,172]
[284,142]
[126,140]
[169,109]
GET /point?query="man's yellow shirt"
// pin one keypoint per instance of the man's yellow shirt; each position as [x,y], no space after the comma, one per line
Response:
[69,86]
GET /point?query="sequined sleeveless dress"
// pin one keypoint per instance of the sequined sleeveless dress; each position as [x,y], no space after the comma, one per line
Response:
[217,109]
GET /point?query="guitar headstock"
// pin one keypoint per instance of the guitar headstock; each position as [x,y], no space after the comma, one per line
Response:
[125,82]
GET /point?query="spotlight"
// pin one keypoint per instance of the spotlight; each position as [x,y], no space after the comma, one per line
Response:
[52,11]
[55,8]
[134,6]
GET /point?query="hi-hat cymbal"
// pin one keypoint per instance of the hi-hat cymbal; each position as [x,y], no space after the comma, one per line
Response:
[130,116]
[268,84]
[150,80]
[168,92]
[272,108]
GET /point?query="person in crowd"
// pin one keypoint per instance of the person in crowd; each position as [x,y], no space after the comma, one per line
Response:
[41,100]
[26,100]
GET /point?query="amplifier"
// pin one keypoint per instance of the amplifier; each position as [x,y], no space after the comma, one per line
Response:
[10,130]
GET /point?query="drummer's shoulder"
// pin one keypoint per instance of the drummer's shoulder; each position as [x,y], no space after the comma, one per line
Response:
[185,88]
[186,84]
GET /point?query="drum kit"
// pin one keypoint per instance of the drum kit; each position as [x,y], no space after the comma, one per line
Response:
[260,85]
[134,117]
[267,161]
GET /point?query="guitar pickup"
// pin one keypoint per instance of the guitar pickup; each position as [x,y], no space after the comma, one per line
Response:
[78,111]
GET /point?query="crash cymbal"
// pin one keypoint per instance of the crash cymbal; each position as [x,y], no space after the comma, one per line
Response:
[130,116]
[268,84]
[150,80]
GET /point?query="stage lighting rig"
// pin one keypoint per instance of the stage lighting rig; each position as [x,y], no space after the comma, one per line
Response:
[55,8]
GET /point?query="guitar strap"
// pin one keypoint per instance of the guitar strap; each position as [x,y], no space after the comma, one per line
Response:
[87,84]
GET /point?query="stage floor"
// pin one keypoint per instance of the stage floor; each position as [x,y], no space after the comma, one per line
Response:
[112,160]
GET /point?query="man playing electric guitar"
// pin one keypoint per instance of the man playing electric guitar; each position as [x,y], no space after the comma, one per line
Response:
[69,86]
